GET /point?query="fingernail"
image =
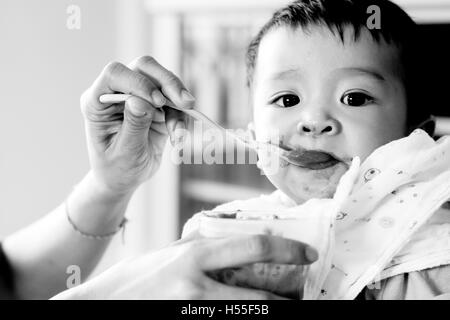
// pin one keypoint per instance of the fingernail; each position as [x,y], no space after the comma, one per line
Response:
[186,96]
[136,112]
[311,254]
[179,129]
[180,125]
[158,98]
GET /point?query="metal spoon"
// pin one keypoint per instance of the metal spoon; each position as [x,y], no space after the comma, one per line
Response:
[285,154]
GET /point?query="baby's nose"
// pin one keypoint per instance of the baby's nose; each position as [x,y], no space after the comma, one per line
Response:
[318,128]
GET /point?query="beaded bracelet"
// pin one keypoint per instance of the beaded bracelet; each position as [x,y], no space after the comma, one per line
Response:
[93,236]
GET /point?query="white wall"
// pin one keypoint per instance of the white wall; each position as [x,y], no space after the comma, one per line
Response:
[44,67]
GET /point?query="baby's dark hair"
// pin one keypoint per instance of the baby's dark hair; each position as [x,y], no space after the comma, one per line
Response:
[397,28]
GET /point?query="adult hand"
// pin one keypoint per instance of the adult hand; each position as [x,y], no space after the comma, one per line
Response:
[126,141]
[180,270]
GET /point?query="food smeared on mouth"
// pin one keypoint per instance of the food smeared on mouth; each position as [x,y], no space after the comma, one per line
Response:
[242,215]
[314,160]
[310,159]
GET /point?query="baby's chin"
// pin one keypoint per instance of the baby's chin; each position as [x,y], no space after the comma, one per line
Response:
[302,184]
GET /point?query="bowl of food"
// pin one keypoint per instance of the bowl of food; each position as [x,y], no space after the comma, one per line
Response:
[292,281]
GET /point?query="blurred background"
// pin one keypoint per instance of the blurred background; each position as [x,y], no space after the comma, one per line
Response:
[45,66]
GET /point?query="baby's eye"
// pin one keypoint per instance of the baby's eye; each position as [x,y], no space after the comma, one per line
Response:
[356,99]
[287,100]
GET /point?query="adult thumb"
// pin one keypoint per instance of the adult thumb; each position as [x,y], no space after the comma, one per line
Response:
[137,119]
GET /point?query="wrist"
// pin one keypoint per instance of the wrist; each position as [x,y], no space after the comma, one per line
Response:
[102,190]
[94,209]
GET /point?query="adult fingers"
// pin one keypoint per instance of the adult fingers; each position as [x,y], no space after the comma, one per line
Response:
[218,291]
[221,253]
[159,128]
[171,86]
[286,280]
[116,77]
[138,117]
[175,123]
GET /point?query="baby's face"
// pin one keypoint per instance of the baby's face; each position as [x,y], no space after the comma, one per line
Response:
[318,94]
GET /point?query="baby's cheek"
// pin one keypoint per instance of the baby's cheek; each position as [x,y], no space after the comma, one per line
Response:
[363,143]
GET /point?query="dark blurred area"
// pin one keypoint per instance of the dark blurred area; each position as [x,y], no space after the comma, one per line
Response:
[434,67]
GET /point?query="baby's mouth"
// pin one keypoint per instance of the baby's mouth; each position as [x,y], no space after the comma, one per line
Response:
[310,159]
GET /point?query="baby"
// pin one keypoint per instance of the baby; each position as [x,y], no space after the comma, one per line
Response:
[334,87]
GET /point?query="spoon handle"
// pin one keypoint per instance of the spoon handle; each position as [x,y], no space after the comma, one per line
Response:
[250,142]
